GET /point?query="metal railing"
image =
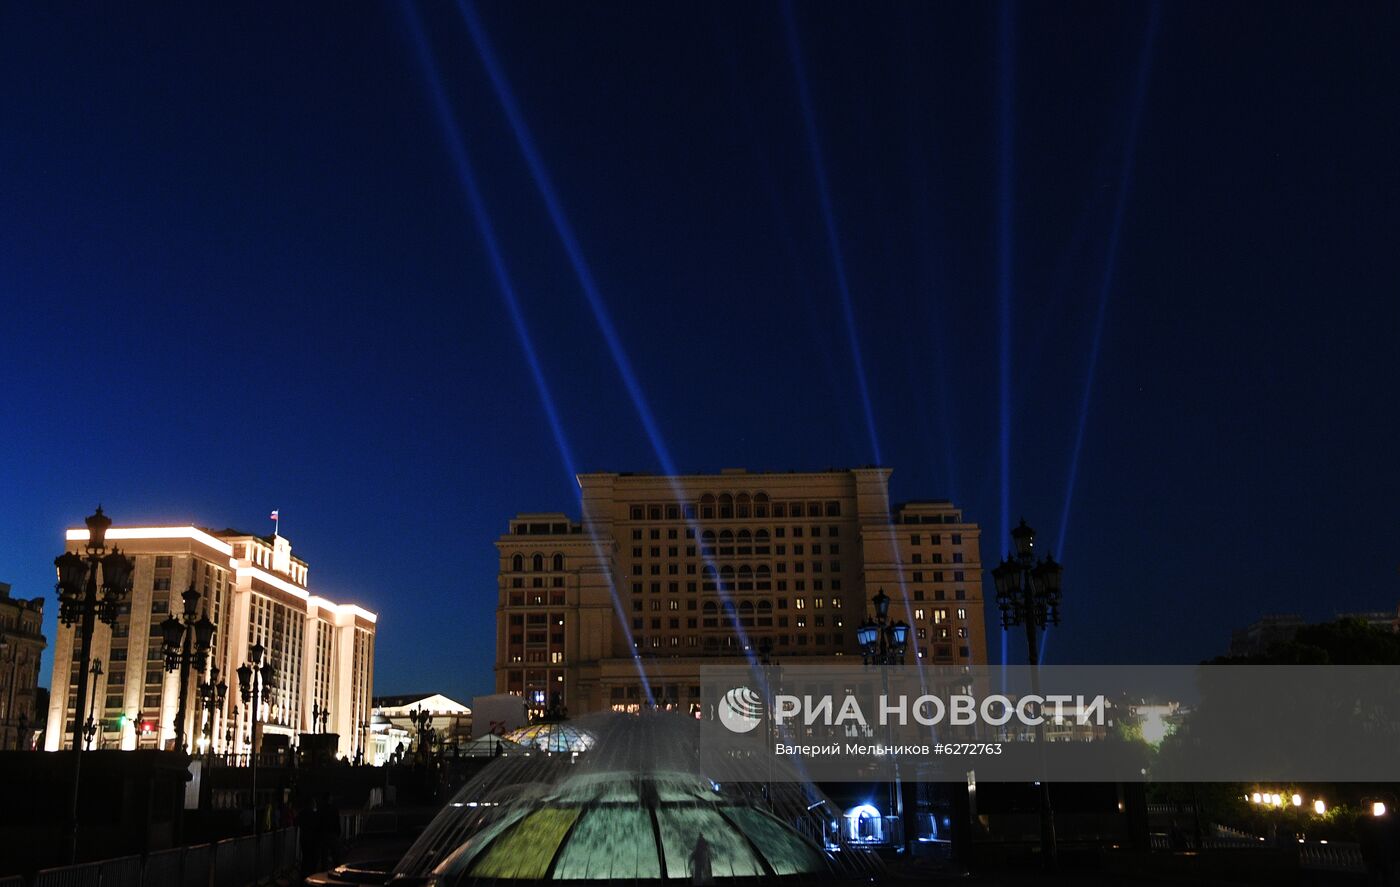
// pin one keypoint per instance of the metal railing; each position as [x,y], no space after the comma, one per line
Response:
[1343,857]
[233,862]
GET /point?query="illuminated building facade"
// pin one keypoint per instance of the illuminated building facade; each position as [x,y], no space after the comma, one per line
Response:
[255,592]
[669,573]
[21,644]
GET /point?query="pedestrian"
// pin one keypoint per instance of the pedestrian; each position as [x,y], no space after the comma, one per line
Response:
[701,871]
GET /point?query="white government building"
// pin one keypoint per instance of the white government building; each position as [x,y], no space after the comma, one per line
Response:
[256,592]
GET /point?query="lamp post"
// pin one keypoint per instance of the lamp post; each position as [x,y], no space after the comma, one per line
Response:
[1028,594]
[422,721]
[82,600]
[255,686]
[319,716]
[90,725]
[211,695]
[363,728]
[187,644]
[230,730]
[882,643]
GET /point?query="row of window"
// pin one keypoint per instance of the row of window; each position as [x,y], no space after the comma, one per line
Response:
[935,558]
[710,537]
[727,507]
[935,539]
[537,562]
[731,644]
[557,597]
[728,549]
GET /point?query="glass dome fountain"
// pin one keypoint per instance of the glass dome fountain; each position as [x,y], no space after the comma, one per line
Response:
[555,737]
[632,808]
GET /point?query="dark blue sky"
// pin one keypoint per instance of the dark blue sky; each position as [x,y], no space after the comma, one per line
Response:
[239,272]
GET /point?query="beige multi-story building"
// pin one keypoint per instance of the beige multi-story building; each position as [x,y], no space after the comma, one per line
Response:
[21,644]
[664,574]
[255,591]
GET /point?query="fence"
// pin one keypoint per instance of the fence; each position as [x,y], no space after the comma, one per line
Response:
[234,862]
[1312,855]
[1342,857]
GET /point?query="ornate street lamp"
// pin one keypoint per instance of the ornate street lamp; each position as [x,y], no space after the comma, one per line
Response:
[211,695]
[230,729]
[91,586]
[883,642]
[422,721]
[255,686]
[90,725]
[363,728]
[319,716]
[187,643]
[1028,594]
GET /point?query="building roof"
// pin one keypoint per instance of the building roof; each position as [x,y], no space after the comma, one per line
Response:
[432,702]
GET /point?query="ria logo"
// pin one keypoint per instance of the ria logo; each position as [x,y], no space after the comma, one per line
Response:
[740,710]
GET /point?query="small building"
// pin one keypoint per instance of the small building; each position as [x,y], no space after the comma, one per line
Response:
[22,642]
[393,723]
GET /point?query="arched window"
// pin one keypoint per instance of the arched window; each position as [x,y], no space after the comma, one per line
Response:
[726,538]
[745,578]
[760,504]
[537,563]
[707,506]
[558,563]
[707,537]
[742,504]
[765,613]
[517,564]
[726,506]
[746,614]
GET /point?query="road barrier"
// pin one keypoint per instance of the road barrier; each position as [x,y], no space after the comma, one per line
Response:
[233,862]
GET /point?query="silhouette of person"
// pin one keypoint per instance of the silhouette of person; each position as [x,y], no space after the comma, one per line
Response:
[700,868]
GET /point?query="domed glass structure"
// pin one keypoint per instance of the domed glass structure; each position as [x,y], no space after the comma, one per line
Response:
[635,808]
[555,737]
[606,827]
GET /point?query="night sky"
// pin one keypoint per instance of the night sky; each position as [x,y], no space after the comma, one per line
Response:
[240,271]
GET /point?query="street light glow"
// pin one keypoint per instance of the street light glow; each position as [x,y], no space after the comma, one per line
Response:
[1319,807]
[1378,808]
